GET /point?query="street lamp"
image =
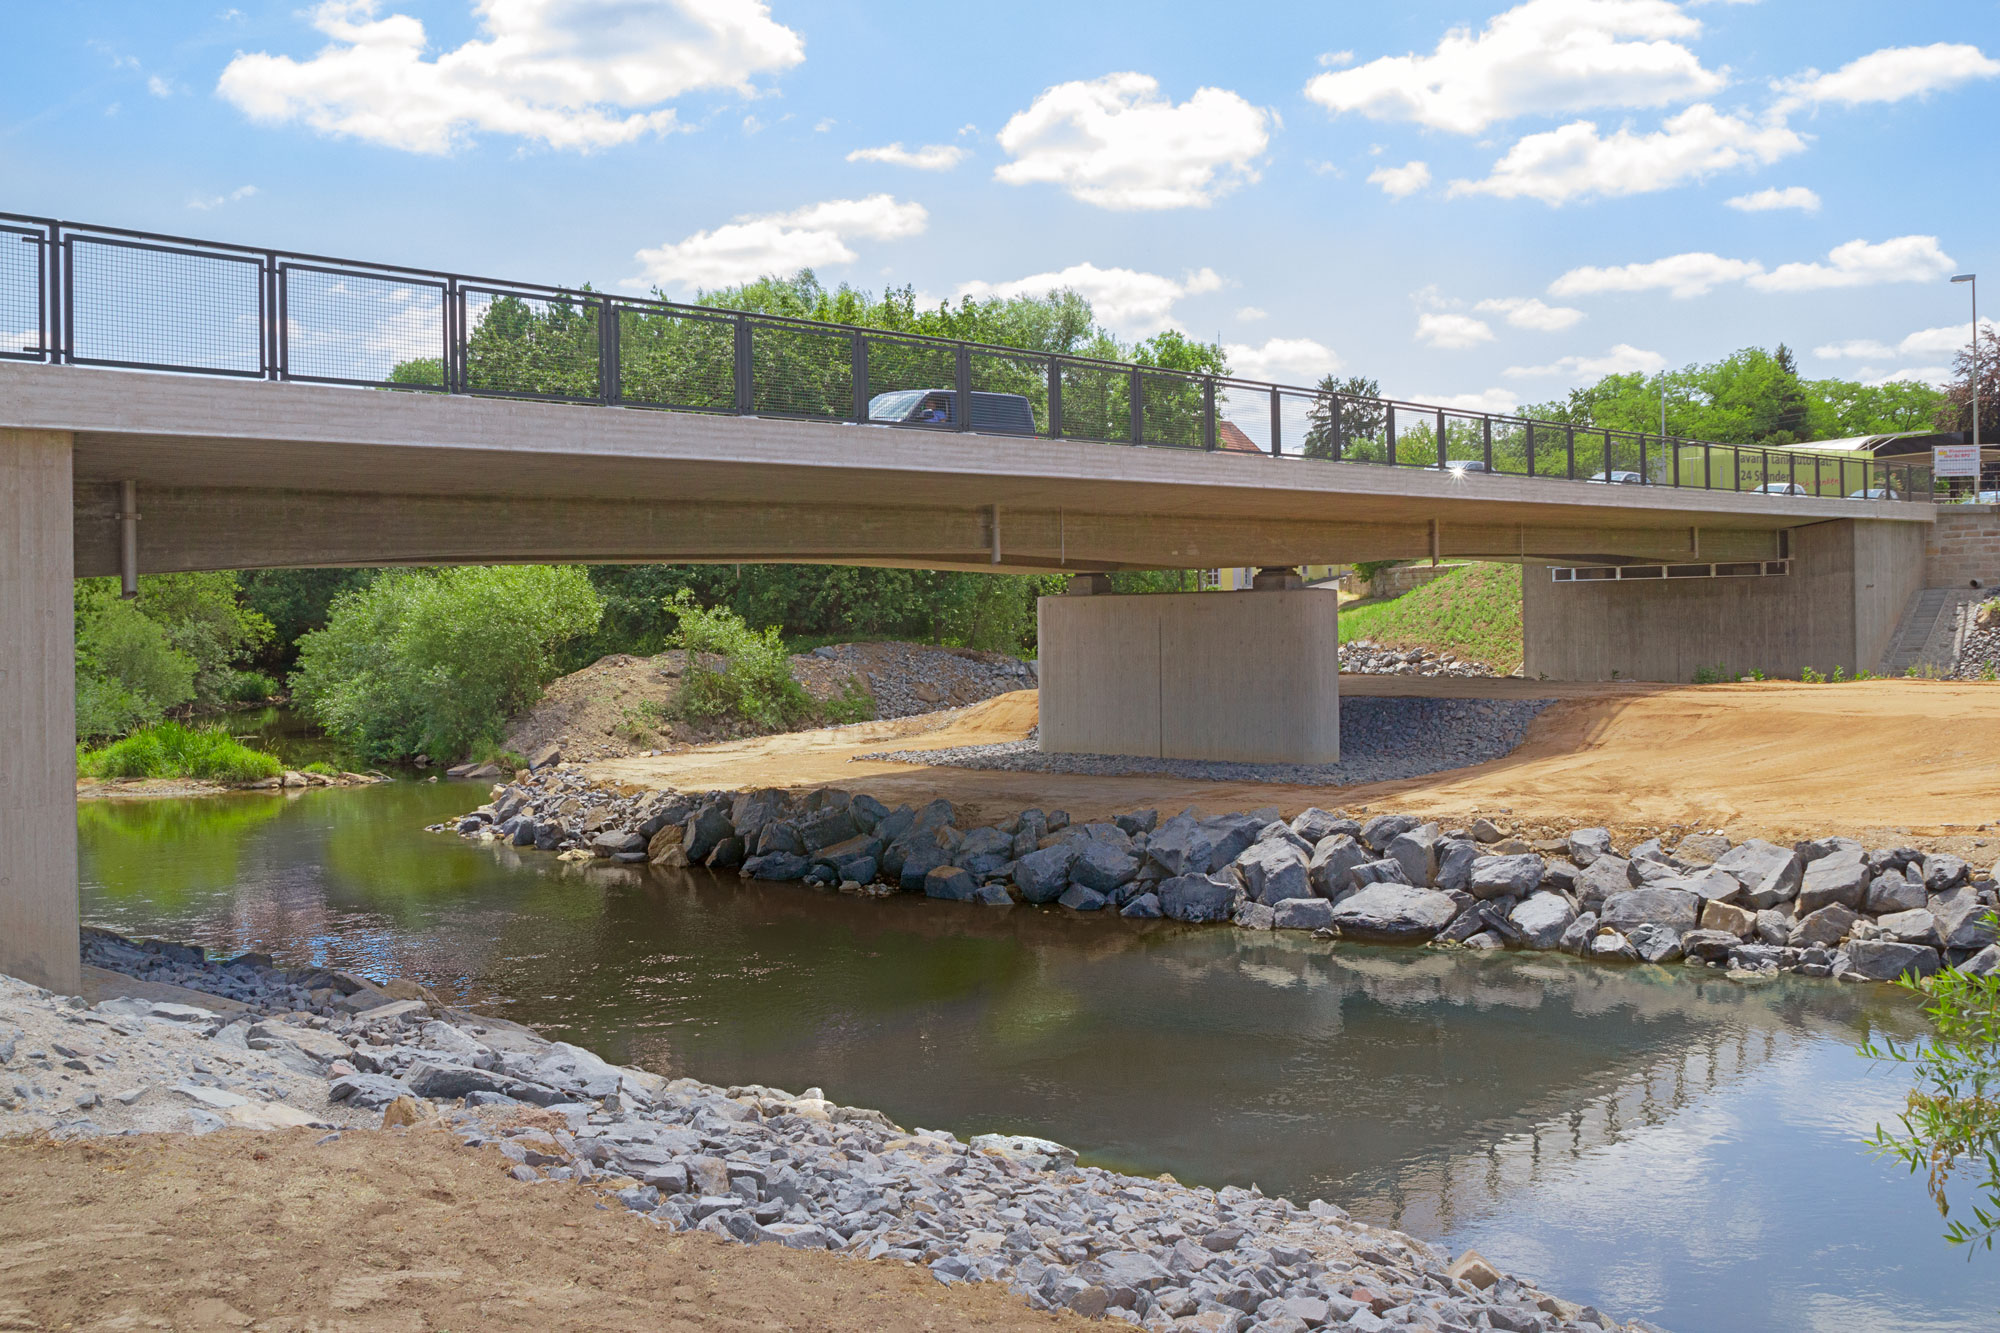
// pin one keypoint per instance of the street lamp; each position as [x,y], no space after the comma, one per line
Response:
[1973,278]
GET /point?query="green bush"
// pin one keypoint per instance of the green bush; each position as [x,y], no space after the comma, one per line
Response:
[172,750]
[755,683]
[250,687]
[435,661]
[127,672]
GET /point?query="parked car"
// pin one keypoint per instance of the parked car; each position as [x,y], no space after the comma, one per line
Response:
[1617,478]
[996,413]
[1883,493]
[1780,488]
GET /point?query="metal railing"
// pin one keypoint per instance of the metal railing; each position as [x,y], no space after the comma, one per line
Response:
[72,294]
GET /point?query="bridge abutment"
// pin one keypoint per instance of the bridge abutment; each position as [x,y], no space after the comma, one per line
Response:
[1251,677]
[38,886]
[1838,607]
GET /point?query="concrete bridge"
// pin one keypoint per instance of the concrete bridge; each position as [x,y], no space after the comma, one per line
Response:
[256,437]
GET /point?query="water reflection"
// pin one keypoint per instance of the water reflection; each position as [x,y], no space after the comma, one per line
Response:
[1663,1144]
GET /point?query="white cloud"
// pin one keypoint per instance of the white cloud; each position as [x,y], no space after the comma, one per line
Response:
[1765,201]
[1860,264]
[1501,402]
[1576,161]
[1949,339]
[1283,361]
[241,192]
[577,74]
[1131,302]
[1683,275]
[1889,75]
[1117,143]
[1623,359]
[159,87]
[1452,332]
[1250,313]
[778,243]
[931,157]
[1335,59]
[1527,312]
[1541,57]
[1400,182]
[1934,375]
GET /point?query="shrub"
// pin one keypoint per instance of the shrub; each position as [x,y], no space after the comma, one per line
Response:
[172,750]
[127,672]
[1812,677]
[435,661]
[320,767]
[755,683]
[250,687]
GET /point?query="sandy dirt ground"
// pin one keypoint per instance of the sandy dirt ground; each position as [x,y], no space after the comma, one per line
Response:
[1879,760]
[404,1231]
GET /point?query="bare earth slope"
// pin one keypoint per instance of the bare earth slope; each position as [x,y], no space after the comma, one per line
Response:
[405,1231]
[1773,758]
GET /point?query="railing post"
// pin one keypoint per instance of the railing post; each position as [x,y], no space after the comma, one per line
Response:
[1277,425]
[52,298]
[1486,440]
[609,381]
[68,316]
[1137,394]
[1569,443]
[1392,435]
[1055,398]
[1795,468]
[962,377]
[1339,428]
[1208,412]
[273,317]
[1642,457]
[745,389]
[858,370]
[1707,466]
[454,337]
[1531,448]
[1441,449]
[1677,459]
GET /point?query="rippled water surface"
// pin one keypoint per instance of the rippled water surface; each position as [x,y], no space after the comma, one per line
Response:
[1657,1143]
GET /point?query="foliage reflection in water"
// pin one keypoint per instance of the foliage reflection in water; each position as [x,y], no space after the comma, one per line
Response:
[1657,1142]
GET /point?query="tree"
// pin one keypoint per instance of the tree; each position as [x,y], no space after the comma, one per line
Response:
[1955,412]
[435,661]
[295,602]
[128,674]
[204,617]
[1347,404]
[1951,1123]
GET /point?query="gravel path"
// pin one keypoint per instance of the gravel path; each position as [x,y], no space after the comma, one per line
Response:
[1381,740]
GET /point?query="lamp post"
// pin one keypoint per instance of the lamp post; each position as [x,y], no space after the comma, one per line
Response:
[1973,280]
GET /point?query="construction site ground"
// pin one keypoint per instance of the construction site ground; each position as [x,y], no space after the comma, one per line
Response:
[1885,761]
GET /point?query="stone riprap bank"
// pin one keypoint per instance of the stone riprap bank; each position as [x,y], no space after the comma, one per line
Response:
[749,1164]
[1828,907]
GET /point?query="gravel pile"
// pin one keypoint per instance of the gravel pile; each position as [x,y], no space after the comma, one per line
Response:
[1364,657]
[906,679]
[1979,655]
[762,1166]
[1381,740]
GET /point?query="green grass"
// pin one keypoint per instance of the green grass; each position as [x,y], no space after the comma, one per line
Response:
[171,750]
[1473,612]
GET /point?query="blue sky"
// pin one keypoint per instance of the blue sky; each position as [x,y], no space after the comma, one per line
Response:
[1481,205]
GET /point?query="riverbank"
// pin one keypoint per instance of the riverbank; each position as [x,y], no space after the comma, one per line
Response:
[751,1164]
[1828,907]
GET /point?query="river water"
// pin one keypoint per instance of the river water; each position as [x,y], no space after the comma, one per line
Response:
[1658,1143]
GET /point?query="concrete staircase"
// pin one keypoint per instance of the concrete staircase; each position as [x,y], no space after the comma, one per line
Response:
[1930,632]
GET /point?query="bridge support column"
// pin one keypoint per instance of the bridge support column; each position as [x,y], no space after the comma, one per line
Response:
[1252,676]
[38,899]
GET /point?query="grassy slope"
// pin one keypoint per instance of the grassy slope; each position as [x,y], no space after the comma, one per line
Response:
[1474,612]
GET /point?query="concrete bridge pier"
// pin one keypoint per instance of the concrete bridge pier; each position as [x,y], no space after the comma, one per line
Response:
[38,887]
[1251,676]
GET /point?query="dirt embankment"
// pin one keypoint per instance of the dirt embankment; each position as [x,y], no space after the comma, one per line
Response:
[405,1231]
[1883,760]
[620,706]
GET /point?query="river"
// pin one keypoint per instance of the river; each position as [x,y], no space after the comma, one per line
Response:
[1659,1143]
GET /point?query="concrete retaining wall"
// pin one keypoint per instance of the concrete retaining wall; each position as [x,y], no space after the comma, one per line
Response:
[1838,607]
[1964,545]
[1399,579]
[1247,676]
[38,906]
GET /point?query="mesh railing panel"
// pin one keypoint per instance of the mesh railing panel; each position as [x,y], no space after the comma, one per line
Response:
[1464,440]
[1305,425]
[896,366]
[1019,389]
[537,346]
[23,306]
[667,360]
[1172,411]
[349,328]
[157,307]
[800,372]
[1096,403]
[1243,419]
